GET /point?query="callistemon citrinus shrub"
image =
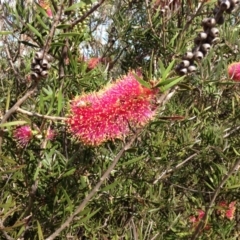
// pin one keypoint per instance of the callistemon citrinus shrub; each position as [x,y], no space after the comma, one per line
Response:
[112,112]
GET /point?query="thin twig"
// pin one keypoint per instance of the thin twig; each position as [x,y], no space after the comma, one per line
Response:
[94,190]
[4,232]
[34,114]
[175,168]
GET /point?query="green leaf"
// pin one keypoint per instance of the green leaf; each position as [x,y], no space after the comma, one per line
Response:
[89,216]
[165,85]
[110,186]
[140,80]
[5,32]
[60,101]
[40,234]
[75,6]
[14,123]
[134,160]
[34,30]
[69,173]
[42,23]
[167,71]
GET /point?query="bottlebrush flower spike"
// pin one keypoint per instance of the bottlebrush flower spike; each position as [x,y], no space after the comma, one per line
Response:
[50,134]
[23,135]
[234,71]
[110,113]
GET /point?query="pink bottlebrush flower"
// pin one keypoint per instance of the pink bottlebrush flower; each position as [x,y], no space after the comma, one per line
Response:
[94,61]
[197,218]
[226,210]
[23,135]
[50,134]
[234,71]
[110,113]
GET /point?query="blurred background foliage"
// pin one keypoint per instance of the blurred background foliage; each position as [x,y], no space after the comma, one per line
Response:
[173,168]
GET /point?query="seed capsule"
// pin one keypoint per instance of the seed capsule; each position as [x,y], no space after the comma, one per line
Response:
[44,74]
[205,48]
[39,55]
[184,63]
[214,32]
[44,63]
[225,4]
[183,71]
[208,23]
[34,75]
[192,68]
[198,55]
[188,56]
[49,58]
[37,69]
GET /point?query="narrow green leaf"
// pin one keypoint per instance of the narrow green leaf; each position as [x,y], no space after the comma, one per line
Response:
[110,186]
[60,101]
[42,23]
[34,30]
[89,216]
[14,123]
[40,234]
[165,85]
[8,100]
[69,173]
[167,71]
[140,80]
[5,32]
[134,160]
[75,6]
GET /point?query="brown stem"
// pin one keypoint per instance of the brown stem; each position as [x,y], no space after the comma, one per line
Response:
[94,190]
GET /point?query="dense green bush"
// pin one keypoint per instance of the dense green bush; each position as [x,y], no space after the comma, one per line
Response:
[157,182]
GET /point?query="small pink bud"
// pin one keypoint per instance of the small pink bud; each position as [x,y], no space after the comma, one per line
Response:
[23,135]
[234,71]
